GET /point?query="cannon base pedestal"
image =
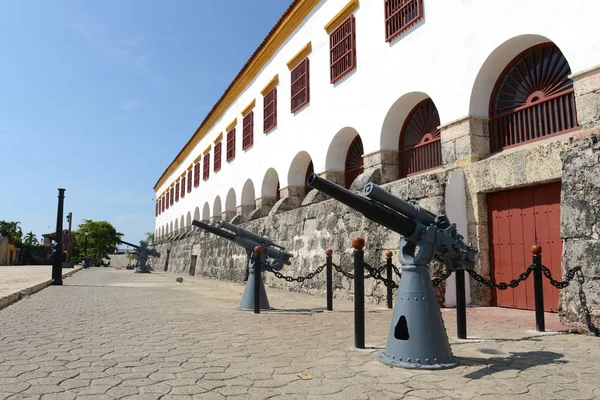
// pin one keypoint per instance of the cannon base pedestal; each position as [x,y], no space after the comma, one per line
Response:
[247,303]
[417,337]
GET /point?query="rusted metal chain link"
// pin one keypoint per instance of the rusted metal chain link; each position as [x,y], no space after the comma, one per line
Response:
[350,275]
[299,279]
[588,317]
[560,285]
[502,285]
[436,281]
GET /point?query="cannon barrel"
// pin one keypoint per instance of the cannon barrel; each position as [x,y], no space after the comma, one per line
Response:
[213,230]
[151,252]
[367,207]
[135,246]
[378,194]
[243,232]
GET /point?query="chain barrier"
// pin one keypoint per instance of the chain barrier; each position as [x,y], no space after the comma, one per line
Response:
[563,284]
[376,273]
[588,316]
[397,271]
[299,279]
[350,275]
[502,285]
[436,281]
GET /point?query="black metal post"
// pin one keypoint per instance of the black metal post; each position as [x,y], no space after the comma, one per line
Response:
[461,305]
[58,256]
[538,289]
[388,255]
[257,279]
[328,253]
[359,293]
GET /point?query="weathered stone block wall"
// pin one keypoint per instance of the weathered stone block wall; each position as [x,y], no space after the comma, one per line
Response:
[308,232]
[580,226]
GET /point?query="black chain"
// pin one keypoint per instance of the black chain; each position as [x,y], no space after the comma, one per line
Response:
[561,285]
[436,281]
[588,317]
[502,286]
[376,273]
[341,271]
[299,279]
[397,271]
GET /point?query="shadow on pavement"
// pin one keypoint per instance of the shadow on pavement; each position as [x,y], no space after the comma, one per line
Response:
[519,361]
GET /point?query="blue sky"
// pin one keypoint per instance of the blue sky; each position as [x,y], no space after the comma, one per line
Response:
[98,97]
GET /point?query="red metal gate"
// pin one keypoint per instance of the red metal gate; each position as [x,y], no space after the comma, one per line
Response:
[517,220]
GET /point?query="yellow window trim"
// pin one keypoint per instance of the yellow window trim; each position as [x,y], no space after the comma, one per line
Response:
[249,107]
[341,16]
[301,55]
[272,83]
[197,159]
[218,139]
[231,125]
[207,149]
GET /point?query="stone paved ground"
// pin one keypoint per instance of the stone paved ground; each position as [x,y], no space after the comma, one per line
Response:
[114,334]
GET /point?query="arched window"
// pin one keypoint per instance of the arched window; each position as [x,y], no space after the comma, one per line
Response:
[420,147]
[532,99]
[309,170]
[354,161]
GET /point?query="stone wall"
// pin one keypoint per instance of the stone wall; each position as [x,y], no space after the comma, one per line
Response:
[580,225]
[308,232]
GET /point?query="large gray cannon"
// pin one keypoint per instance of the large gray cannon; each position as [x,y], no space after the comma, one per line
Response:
[272,255]
[417,337]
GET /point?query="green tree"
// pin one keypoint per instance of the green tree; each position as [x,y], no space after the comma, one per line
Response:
[12,230]
[149,238]
[30,239]
[102,238]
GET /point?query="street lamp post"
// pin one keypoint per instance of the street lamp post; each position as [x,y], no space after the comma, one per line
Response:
[58,254]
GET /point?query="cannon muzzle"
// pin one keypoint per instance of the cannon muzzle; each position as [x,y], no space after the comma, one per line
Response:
[213,230]
[382,215]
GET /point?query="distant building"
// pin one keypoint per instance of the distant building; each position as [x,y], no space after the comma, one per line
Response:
[10,254]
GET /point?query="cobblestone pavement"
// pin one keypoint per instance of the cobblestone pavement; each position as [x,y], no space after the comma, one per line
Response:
[114,334]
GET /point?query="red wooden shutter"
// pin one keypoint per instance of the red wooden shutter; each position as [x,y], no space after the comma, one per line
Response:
[400,15]
[189,181]
[300,85]
[183,186]
[217,162]
[342,49]
[177,191]
[197,174]
[206,166]
[270,110]
[231,144]
[248,130]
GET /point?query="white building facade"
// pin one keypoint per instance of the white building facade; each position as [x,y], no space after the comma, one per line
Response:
[407,88]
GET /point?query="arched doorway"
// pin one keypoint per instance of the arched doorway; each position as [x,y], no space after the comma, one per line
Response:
[419,145]
[532,99]
[354,161]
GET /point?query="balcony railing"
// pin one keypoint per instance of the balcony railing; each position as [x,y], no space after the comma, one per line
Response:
[421,157]
[552,115]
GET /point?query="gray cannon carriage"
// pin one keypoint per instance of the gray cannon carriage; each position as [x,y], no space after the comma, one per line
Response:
[143,251]
[272,256]
[417,337]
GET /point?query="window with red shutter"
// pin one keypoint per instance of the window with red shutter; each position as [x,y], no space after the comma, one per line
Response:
[167,199]
[248,130]
[231,144]
[197,174]
[183,186]
[342,49]
[172,197]
[189,181]
[206,166]
[400,15]
[270,110]
[177,191]
[217,165]
[156,212]
[300,85]
[163,203]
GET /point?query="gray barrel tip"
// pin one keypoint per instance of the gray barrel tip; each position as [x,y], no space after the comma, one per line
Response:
[311,179]
[368,188]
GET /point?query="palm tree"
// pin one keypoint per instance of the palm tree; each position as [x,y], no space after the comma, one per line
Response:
[30,239]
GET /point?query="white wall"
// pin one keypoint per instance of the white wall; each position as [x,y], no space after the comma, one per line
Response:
[454,55]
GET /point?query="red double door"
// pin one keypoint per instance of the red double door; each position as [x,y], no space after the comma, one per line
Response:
[517,220]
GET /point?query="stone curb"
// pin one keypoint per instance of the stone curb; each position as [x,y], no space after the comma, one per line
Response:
[14,297]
